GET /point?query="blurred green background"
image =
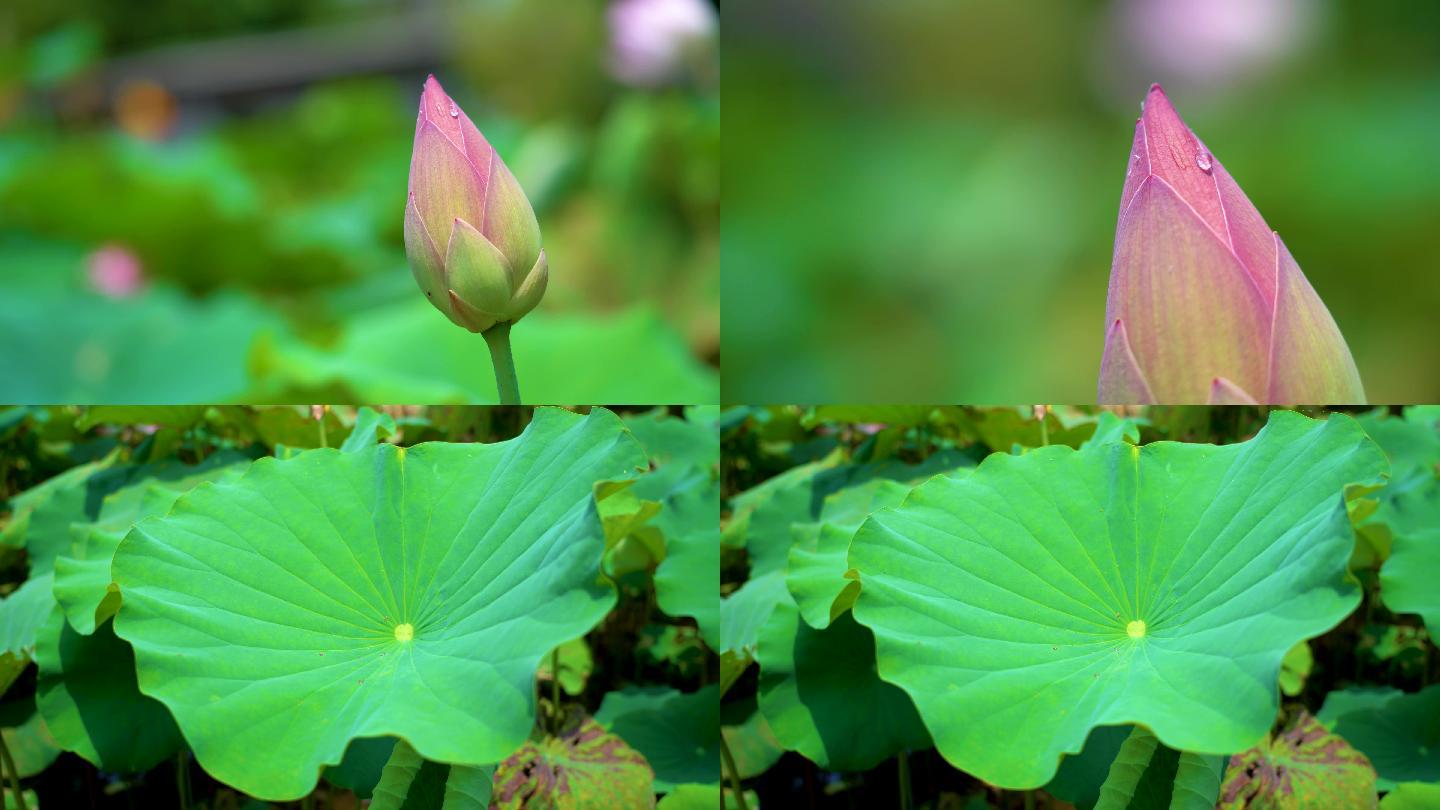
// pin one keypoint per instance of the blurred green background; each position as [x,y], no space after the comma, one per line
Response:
[922,195]
[204,201]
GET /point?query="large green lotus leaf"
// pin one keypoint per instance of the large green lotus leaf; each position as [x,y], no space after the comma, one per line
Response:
[687,581]
[86,692]
[668,440]
[407,353]
[341,595]
[1408,578]
[22,614]
[583,767]
[411,782]
[83,583]
[819,558]
[821,695]
[1412,796]
[1306,766]
[1400,736]
[1080,776]
[678,733]
[1147,775]
[1049,593]
[158,348]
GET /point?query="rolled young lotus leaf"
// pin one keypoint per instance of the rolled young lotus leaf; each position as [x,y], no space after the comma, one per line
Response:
[1206,304]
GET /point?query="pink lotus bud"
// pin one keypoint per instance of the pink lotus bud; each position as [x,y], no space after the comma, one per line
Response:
[470,234]
[1206,304]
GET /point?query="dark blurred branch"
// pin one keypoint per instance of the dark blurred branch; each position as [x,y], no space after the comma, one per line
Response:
[285,59]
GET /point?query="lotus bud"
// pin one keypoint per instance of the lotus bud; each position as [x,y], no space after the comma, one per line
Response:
[1206,304]
[470,233]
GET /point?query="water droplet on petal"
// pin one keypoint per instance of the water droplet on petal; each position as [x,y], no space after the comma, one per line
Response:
[1202,159]
[454,111]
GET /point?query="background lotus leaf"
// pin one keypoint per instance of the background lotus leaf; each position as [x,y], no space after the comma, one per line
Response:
[1306,766]
[687,579]
[583,767]
[30,743]
[748,734]
[1408,578]
[668,440]
[86,692]
[22,614]
[1344,701]
[678,733]
[1401,736]
[411,782]
[341,595]
[1049,593]
[1080,776]
[1412,796]
[821,696]
[83,583]
[1147,774]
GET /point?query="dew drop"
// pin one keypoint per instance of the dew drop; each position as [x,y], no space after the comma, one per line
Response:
[1202,159]
[454,111]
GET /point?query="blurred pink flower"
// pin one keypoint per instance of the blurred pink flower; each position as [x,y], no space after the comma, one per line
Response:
[115,272]
[651,40]
[1213,42]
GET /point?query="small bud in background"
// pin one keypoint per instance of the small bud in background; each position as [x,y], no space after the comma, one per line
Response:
[654,42]
[470,234]
[115,272]
[1206,304]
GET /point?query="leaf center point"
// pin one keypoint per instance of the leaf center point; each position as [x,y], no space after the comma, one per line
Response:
[404,632]
[1135,629]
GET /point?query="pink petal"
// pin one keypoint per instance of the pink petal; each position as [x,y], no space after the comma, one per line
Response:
[442,181]
[439,109]
[1309,361]
[1121,380]
[1224,392]
[1191,311]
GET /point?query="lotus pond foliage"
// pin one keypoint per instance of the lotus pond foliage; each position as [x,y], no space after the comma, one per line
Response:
[1184,607]
[411,606]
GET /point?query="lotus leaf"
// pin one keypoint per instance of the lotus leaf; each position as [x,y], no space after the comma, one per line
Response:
[370,426]
[668,440]
[575,665]
[88,696]
[22,614]
[1295,668]
[1146,774]
[1344,701]
[1049,593]
[583,767]
[1307,766]
[410,782]
[364,761]
[171,415]
[821,696]
[752,743]
[1401,736]
[678,733]
[1081,775]
[881,414]
[31,745]
[1412,796]
[687,579]
[704,797]
[342,595]
[1407,580]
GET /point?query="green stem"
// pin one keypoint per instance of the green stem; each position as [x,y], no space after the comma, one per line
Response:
[555,687]
[14,774]
[1029,800]
[903,759]
[498,338]
[734,773]
[1044,428]
[182,778]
